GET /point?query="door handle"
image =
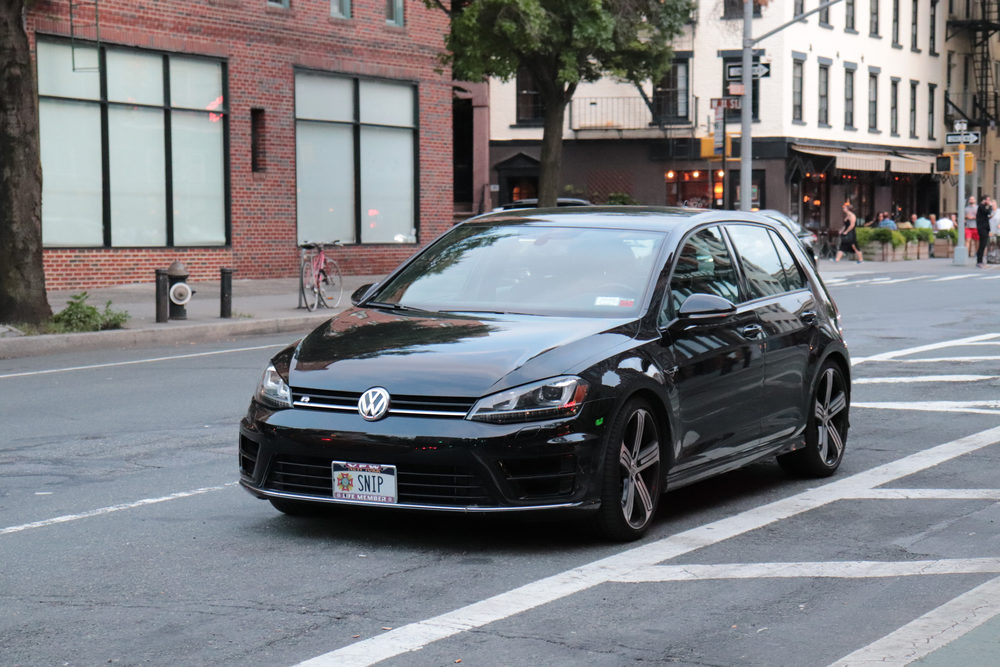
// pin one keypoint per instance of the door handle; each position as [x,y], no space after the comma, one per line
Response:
[752,331]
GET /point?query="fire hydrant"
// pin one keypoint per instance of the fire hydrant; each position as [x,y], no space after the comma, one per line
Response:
[180,292]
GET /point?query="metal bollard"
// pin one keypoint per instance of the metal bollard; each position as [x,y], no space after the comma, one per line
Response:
[226,292]
[162,301]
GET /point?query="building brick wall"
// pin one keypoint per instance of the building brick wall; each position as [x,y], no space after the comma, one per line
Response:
[262,45]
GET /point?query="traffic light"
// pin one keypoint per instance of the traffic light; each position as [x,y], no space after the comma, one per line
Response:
[948,163]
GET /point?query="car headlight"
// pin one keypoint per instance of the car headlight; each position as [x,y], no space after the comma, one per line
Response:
[273,390]
[549,399]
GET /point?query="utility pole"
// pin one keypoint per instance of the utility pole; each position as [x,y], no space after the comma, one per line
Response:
[746,115]
[961,255]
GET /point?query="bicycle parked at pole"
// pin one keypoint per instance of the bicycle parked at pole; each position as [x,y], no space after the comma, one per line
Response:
[320,280]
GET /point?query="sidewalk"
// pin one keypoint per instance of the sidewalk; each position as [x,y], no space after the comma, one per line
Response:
[258,307]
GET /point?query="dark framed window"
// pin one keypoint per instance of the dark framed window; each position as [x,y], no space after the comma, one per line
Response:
[734,115]
[849,15]
[895,23]
[824,16]
[823,87]
[134,147]
[948,69]
[799,8]
[703,266]
[914,26]
[931,90]
[873,19]
[670,97]
[530,110]
[913,109]
[762,266]
[932,38]
[849,98]
[356,159]
[894,108]
[277,3]
[872,101]
[733,9]
[797,67]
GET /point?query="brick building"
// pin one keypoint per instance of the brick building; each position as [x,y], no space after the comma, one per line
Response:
[223,132]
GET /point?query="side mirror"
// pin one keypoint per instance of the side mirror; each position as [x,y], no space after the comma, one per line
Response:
[702,307]
[359,294]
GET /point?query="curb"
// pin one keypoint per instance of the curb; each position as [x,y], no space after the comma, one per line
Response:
[28,346]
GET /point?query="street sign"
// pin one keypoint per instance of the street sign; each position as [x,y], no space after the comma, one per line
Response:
[954,138]
[757,71]
[729,103]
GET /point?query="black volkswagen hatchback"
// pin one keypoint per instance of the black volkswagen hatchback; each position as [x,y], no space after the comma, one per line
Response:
[555,359]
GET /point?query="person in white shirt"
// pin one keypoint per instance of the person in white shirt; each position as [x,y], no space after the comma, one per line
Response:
[945,223]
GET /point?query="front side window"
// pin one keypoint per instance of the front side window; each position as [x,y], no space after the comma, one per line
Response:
[797,67]
[761,264]
[670,97]
[122,167]
[355,162]
[703,266]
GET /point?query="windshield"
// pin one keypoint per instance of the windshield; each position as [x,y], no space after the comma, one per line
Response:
[517,268]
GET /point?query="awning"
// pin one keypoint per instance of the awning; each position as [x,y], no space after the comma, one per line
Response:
[871,160]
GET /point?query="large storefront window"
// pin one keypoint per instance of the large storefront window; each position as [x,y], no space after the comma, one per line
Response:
[141,165]
[355,162]
[689,188]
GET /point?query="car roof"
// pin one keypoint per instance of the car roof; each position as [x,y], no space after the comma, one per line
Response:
[660,218]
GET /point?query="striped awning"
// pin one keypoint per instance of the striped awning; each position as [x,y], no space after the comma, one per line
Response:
[856,160]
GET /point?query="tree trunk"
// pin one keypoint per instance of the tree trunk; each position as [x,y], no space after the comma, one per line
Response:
[22,277]
[551,158]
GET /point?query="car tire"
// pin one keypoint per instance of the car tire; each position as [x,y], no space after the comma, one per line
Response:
[295,507]
[632,479]
[826,428]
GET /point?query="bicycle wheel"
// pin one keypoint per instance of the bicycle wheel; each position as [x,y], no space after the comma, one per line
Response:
[331,284]
[310,293]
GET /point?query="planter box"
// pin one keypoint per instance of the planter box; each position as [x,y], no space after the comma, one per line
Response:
[943,248]
[917,250]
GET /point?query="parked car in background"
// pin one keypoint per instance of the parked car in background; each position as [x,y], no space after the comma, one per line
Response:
[808,239]
[533,203]
[578,359]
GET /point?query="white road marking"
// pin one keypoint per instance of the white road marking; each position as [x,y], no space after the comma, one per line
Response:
[113,508]
[929,494]
[990,278]
[896,281]
[414,636]
[895,354]
[947,278]
[827,570]
[193,355]
[932,631]
[924,378]
[941,360]
[977,407]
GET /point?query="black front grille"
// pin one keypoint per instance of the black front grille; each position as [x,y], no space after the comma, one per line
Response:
[346,401]
[542,478]
[248,455]
[421,484]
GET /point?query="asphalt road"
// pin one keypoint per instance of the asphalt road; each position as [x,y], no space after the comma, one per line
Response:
[123,539]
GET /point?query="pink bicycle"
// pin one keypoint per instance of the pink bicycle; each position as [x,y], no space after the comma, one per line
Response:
[320,281]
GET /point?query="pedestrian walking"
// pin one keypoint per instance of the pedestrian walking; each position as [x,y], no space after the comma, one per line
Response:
[848,235]
[970,222]
[983,213]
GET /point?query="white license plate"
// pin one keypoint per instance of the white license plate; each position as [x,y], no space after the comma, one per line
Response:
[364,482]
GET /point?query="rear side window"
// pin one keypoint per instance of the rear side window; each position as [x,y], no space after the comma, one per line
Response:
[792,277]
[762,266]
[704,266]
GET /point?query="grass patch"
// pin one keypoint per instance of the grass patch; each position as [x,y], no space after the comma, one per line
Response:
[79,316]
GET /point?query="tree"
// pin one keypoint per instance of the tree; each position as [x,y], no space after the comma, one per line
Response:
[561,43]
[22,277]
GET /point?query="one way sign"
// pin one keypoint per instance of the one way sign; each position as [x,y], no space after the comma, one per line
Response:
[954,138]
[757,70]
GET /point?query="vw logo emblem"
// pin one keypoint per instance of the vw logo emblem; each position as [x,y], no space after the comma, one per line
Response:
[373,404]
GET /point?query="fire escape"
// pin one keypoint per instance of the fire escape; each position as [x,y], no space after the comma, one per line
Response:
[979,22]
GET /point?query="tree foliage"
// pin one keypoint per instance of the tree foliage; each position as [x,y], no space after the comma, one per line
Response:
[562,43]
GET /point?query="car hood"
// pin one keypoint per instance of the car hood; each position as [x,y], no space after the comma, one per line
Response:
[437,354]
